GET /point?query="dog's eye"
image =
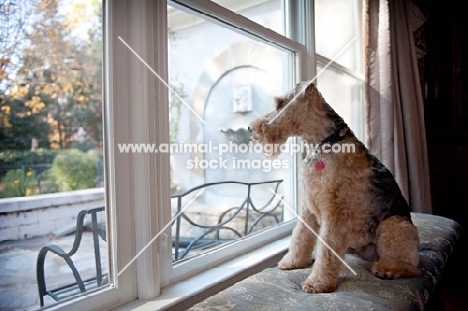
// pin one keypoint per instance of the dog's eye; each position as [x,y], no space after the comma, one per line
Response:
[280,105]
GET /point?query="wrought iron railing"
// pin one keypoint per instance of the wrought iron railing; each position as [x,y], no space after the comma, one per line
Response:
[183,245]
[79,285]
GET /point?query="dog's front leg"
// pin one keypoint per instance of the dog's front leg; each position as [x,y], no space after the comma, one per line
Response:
[324,275]
[302,243]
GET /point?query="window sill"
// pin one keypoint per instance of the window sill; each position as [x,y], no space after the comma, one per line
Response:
[185,294]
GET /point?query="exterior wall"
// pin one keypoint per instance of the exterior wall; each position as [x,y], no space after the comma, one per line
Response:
[47,214]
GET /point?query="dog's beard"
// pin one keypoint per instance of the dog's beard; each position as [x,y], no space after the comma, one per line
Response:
[270,137]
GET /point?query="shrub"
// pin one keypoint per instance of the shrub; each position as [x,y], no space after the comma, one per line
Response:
[19,183]
[73,169]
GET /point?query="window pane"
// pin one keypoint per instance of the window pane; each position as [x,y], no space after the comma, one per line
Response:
[339,37]
[348,102]
[336,24]
[51,157]
[228,80]
[267,13]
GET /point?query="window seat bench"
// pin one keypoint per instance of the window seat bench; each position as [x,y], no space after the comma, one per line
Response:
[275,289]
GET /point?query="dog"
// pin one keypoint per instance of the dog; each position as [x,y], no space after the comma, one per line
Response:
[350,200]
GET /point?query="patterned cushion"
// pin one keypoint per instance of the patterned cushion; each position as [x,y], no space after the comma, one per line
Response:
[274,289]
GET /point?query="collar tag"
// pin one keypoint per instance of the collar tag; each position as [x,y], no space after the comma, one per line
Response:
[319,166]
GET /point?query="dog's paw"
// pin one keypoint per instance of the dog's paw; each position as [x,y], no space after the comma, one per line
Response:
[315,287]
[382,273]
[290,262]
[393,272]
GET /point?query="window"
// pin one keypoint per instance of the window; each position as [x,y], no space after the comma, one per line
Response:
[228,79]
[215,68]
[339,41]
[224,66]
[51,149]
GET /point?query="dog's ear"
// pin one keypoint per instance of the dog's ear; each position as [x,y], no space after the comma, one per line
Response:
[304,89]
[309,89]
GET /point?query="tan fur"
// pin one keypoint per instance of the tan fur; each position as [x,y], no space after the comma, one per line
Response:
[336,200]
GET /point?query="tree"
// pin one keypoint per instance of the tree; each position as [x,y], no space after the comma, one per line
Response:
[14,16]
[24,120]
[61,71]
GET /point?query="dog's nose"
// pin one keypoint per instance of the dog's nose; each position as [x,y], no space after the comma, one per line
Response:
[249,129]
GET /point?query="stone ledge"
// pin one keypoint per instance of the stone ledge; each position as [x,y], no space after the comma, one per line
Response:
[27,217]
[23,204]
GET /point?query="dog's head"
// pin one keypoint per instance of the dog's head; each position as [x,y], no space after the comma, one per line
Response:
[293,112]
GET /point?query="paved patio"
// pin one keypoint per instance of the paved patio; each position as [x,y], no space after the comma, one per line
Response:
[18,285]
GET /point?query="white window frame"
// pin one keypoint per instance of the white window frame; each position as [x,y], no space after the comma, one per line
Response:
[224,17]
[131,115]
[137,185]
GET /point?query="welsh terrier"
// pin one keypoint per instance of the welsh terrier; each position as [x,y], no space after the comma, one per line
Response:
[351,199]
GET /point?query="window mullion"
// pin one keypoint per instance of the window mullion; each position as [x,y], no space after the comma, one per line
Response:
[162,174]
[323,61]
[301,29]
[222,16]
[299,24]
[138,105]
[149,125]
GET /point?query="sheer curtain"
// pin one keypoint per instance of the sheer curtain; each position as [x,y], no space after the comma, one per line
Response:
[395,111]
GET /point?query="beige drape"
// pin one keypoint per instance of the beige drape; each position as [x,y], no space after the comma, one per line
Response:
[395,111]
